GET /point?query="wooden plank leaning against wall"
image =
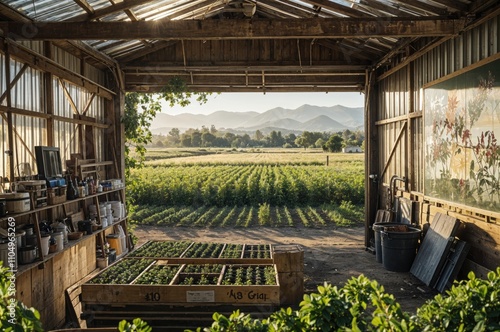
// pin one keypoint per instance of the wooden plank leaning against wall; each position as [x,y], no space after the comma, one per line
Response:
[43,285]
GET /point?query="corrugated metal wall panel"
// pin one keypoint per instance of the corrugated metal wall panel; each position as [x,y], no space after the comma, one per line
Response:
[36,46]
[468,48]
[67,60]
[95,74]
[27,94]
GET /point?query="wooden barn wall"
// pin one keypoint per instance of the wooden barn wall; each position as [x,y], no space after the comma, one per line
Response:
[399,104]
[28,95]
[44,287]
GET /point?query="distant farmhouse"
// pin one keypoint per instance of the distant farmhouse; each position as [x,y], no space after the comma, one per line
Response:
[351,149]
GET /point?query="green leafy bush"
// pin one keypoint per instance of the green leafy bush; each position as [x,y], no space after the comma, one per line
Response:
[363,305]
[470,305]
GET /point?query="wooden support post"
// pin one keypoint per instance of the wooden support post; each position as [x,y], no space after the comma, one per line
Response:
[371,157]
[49,96]
[410,141]
[10,124]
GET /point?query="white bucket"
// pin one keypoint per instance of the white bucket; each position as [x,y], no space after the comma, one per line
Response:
[45,244]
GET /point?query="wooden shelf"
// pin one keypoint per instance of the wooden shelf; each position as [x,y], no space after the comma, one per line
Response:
[22,268]
[26,267]
[48,207]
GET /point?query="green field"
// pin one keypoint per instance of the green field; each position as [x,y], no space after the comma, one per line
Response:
[246,188]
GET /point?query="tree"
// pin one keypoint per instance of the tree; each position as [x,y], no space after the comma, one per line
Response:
[186,140]
[207,139]
[174,136]
[213,130]
[196,139]
[319,143]
[334,143]
[258,135]
[140,110]
[290,139]
[300,141]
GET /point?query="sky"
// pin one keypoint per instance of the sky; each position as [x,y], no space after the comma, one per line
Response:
[259,102]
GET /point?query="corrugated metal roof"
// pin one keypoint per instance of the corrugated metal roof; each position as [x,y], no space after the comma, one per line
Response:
[354,51]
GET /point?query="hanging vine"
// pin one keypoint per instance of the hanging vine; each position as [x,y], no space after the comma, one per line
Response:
[141,109]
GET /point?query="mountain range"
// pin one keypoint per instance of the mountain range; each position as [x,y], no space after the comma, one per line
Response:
[304,118]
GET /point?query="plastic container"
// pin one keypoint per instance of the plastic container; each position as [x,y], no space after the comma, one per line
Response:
[123,239]
[44,245]
[20,238]
[17,202]
[62,228]
[377,228]
[59,237]
[399,249]
[102,262]
[115,243]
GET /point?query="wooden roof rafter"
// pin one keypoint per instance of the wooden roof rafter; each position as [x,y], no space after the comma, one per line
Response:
[236,29]
[290,7]
[341,9]
[121,6]
[85,6]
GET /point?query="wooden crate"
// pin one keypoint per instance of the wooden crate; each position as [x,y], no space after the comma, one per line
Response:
[289,261]
[37,190]
[56,195]
[175,294]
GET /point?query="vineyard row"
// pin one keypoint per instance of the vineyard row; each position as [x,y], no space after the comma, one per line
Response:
[229,185]
[248,216]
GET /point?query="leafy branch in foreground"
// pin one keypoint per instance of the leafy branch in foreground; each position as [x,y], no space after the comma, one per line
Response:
[141,109]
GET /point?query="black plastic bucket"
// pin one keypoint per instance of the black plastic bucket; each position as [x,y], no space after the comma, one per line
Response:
[377,228]
[399,249]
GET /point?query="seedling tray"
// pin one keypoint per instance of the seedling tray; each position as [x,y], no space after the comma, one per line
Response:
[179,252]
[161,282]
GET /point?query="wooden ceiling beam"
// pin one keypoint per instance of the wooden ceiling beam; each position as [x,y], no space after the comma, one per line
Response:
[156,67]
[243,88]
[122,6]
[335,7]
[290,7]
[9,12]
[423,7]
[85,6]
[381,7]
[235,29]
[203,7]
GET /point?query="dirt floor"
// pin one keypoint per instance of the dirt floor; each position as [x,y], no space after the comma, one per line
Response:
[330,254]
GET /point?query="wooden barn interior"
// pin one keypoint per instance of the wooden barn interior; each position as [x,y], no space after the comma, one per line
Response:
[429,70]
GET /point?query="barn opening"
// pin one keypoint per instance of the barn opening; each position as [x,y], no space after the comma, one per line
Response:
[428,70]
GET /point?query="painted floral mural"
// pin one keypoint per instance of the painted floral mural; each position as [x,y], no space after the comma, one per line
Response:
[462,123]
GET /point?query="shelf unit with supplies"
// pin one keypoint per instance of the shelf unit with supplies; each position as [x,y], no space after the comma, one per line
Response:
[33,217]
